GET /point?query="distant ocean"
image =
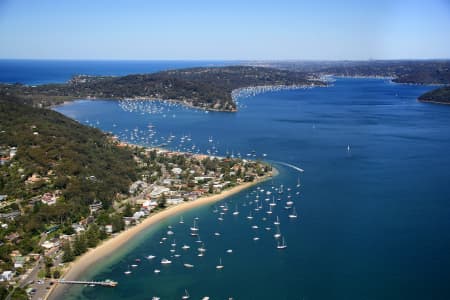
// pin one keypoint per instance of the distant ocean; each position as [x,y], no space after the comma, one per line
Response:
[373,204]
[33,72]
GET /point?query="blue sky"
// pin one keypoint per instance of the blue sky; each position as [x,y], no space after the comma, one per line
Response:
[232,29]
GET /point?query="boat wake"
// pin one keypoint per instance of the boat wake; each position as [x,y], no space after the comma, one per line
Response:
[290,166]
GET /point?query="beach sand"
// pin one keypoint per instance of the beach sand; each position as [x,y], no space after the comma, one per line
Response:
[109,246]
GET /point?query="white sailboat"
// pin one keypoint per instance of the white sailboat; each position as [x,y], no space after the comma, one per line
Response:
[293,214]
[181,220]
[219,266]
[194,229]
[277,235]
[127,272]
[277,222]
[165,261]
[250,216]
[186,295]
[282,245]
[236,212]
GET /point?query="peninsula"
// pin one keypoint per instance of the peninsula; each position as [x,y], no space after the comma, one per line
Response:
[65,187]
[207,88]
[440,95]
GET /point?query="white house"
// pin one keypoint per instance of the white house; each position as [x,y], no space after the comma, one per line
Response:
[177,171]
[6,276]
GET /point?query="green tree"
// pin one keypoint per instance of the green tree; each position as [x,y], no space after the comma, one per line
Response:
[128,211]
[117,223]
[68,253]
[92,235]
[79,245]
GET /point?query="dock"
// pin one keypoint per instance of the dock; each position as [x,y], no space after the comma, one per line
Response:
[106,283]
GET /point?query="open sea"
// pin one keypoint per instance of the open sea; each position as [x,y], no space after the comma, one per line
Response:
[373,203]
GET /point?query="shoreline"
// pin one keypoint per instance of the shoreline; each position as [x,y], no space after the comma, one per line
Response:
[109,246]
[434,102]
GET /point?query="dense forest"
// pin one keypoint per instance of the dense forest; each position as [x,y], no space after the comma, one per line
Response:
[208,88]
[55,153]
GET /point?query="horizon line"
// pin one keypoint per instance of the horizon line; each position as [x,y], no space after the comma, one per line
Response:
[230,60]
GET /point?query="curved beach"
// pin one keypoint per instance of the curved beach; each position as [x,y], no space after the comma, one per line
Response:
[109,246]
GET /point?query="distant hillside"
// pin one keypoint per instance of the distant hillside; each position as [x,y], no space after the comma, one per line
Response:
[440,95]
[208,88]
[402,71]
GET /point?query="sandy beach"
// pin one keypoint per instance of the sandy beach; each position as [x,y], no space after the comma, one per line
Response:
[94,255]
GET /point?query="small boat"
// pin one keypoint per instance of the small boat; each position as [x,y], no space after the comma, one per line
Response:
[230,251]
[151,256]
[219,266]
[255,227]
[235,212]
[293,214]
[202,248]
[277,222]
[185,247]
[186,295]
[134,266]
[217,233]
[256,238]
[188,265]
[277,235]
[282,245]
[194,229]
[250,216]
[156,271]
[170,232]
[128,272]
[165,261]
[298,182]
[181,220]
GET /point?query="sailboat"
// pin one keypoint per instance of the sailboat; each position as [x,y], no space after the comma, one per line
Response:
[127,272]
[236,212]
[194,229]
[293,214]
[278,233]
[250,216]
[277,222]
[186,295]
[298,182]
[273,202]
[282,245]
[181,220]
[219,266]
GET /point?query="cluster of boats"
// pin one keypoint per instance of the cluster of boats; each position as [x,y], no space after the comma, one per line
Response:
[262,209]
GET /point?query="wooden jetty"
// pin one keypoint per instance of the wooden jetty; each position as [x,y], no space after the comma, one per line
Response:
[107,283]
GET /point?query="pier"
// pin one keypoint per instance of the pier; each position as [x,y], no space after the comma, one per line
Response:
[107,283]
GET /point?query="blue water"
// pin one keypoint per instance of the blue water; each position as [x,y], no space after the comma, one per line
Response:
[34,72]
[374,221]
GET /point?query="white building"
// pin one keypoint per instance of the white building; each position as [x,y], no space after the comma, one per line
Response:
[6,276]
[174,201]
